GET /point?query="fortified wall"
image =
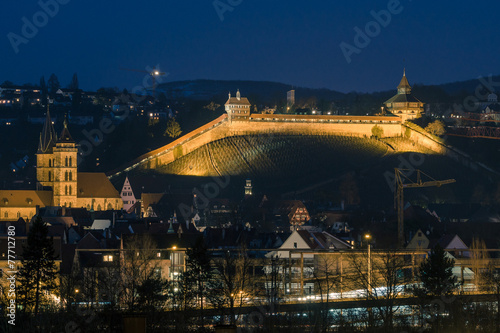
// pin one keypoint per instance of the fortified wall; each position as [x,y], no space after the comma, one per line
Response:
[455,154]
[263,124]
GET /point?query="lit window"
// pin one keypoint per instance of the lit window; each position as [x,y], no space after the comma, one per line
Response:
[108,258]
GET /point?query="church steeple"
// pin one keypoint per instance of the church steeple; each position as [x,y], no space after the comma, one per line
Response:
[404,87]
[48,136]
[65,135]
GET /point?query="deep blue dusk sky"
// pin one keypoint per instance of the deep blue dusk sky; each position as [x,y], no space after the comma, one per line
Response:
[294,42]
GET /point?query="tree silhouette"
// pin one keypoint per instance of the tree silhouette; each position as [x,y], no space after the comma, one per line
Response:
[377,131]
[43,88]
[437,281]
[436,128]
[54,84]
[436,273]
[173,129]
[198,272]
[73,85]
[39,269]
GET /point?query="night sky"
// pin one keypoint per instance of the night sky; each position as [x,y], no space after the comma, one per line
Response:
[294,42]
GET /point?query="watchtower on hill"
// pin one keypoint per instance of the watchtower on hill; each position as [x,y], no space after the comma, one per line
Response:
[238,108]
[404,104]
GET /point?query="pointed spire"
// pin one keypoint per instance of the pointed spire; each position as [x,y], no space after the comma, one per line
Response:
[171,228]
[48,136]
[65,135]
[404,87]
[229,95]
[238,95]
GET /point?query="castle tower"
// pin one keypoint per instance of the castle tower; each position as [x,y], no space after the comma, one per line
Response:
[44,156]
[65,170]
[238,108]
[404,104]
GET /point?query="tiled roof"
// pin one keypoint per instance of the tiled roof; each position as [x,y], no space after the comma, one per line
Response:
[149,199]
[322,240]
[25,199]
[404,82]
[236,101]
[403,98]
[95,185]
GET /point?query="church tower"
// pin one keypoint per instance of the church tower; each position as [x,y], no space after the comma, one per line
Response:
[404,104]
[65,170]
[45,154]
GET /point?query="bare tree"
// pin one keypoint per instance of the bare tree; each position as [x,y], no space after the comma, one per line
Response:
[479,260]
[327,281]
[140,266]
[491,279]
[231,282]
[383,282]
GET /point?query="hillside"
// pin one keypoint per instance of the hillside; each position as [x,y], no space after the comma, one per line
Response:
[323,169]
[273,92]
[256,91]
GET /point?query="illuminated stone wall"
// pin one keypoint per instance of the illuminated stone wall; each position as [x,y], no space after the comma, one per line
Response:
[265,124]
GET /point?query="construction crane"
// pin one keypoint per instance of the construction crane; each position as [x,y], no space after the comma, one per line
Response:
[400,177]
[154,73]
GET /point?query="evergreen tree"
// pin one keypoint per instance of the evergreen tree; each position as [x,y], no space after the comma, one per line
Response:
[73,85]
[54,84]
[43,88]
[38,267]
[436,273]
[198,272]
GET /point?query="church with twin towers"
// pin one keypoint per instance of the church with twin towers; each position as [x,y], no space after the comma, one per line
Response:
[59,184]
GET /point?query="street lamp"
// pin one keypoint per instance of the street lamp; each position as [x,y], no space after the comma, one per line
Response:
[368,237]
[172,261]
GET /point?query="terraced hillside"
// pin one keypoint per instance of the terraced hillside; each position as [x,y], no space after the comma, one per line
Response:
[278,156]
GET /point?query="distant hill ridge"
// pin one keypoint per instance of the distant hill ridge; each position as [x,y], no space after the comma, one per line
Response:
[268,92]
[262,90]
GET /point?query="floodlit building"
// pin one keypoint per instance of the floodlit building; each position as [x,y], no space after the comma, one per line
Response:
[237,108]
[58,181]
[404,104]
